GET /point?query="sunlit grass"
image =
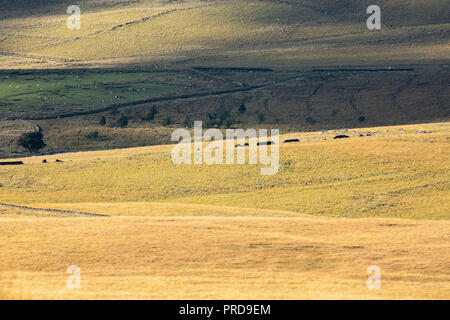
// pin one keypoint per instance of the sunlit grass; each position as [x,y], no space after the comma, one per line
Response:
[223,258]
[390,174]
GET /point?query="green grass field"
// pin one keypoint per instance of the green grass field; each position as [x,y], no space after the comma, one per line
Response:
[67,105]
[50,94]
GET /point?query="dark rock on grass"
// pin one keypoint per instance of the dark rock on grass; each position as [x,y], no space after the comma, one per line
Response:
[242,145]
[291,141]
[265,143]
[11,163]
[341,136]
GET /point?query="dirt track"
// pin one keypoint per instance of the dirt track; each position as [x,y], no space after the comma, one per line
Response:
[65,212]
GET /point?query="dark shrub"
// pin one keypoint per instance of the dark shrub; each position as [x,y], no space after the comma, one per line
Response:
[166,121]
[114,110]
[150,116]
[310,120]
[32,141]
[260,116]
[222,117]
[92,135]
[122,121]
[228,122]
[187,122]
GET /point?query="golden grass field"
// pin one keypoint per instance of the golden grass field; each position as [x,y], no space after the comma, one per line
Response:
[223,258]
[336,207]
[226,232]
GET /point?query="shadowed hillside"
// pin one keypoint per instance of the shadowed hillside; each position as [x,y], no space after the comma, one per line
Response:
[295,65]
[277,33]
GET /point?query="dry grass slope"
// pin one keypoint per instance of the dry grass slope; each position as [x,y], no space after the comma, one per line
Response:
[243,33]
[226,232]
[223,258]
[230,233]
[395,172]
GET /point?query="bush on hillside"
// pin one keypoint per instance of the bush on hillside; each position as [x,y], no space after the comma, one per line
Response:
[32,141]
[150,116]
[122,121]
[93,135]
